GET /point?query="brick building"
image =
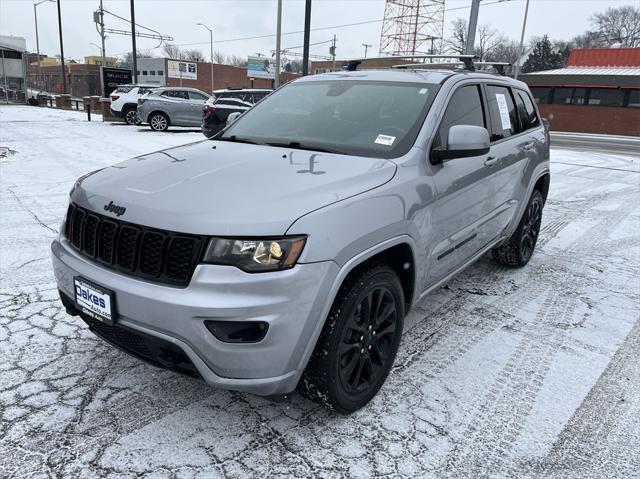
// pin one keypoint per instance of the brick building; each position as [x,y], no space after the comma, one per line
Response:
[165,72]
[597,92]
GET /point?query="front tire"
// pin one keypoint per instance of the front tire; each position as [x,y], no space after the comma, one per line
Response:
[159,121]
[358,343]
[518,249]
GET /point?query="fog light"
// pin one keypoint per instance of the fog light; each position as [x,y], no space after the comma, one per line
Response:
[238,331]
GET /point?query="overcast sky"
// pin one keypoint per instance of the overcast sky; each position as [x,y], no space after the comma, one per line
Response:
[231,20]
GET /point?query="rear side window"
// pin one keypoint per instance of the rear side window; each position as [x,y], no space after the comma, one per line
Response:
[143,90]
[123,89]
[504,120]
[179,94]
[197,96]
[464,108]
[526,111]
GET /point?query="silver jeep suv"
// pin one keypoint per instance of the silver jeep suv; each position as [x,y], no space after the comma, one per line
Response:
[286,251]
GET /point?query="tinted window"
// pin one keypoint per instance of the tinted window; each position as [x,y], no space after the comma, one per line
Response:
[144,72]
[606,97]
[160,72]
[634,99]
[504,121]
[378,119]
[123,89]
[562,96]
[541,94]
[194,95]
[180,94]
[526,111]
[464,108]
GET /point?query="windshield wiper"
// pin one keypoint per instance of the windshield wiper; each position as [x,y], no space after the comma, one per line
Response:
[237,139]
[296,145]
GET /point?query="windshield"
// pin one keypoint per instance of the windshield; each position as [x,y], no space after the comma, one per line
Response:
[356,117]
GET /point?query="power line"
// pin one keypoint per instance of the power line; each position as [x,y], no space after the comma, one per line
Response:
[317,29]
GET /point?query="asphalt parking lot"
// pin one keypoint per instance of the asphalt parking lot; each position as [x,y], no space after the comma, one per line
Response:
[501,373]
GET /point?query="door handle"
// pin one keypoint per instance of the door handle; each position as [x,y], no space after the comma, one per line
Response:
[492,160]
[529,145]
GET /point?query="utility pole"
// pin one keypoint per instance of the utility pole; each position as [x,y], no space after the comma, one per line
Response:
[307,32]
[64,73]
[276,82]
[520,52]
[133,42]
[473,24]
[35,17]
[211,51]
[104,54]
[366,47]
[332,51]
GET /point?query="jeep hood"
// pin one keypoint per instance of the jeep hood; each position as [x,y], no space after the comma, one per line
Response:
[228,189]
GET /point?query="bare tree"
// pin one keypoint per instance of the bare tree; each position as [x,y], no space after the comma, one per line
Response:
[193,55]
[237,61]
[588,39]
[488,40]
[506,52]
[127,60]
[173,51]
[457,42]
[219,57]
[619,25]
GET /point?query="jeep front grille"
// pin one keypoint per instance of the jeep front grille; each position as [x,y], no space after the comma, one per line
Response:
[158,255]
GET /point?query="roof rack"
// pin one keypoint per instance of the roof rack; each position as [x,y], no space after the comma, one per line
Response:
[467,61]
[500,67]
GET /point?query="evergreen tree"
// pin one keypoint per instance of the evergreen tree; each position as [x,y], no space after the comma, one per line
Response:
[543,57]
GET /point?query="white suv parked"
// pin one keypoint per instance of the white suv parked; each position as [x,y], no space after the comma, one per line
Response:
[124,101]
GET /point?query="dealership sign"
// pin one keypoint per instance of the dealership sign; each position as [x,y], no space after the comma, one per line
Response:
[112,77]
[184,70]
[261,67]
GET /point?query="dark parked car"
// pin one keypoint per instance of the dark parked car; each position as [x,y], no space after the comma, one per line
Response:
[217,110]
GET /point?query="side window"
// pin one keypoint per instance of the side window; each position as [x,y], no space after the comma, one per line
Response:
[194,95]
[176,94]
[464,108]
[634,99]
[579,96]
[504,120]
[526,111]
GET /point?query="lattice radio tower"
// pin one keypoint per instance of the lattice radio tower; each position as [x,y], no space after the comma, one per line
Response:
[412,27]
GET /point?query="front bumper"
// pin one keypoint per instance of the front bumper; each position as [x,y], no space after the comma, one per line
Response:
[292,302]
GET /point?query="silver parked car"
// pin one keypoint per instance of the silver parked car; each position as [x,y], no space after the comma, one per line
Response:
[287,250]
[172,106]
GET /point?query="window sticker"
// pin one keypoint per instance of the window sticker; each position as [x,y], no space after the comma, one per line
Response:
[423,91]
[504,111]
[385,140]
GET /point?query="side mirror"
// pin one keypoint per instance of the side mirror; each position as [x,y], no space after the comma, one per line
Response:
[464,141]
[233,117]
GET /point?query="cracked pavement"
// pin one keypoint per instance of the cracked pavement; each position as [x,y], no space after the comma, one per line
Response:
[501,373]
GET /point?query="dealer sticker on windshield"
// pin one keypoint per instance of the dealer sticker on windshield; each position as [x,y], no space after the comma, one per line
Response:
[385,140]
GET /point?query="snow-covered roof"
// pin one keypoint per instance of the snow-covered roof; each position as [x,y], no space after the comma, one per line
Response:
[626,71]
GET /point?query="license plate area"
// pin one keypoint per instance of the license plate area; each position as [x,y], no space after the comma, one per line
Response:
[94,300]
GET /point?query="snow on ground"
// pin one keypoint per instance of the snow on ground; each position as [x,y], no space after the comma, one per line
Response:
[501,373]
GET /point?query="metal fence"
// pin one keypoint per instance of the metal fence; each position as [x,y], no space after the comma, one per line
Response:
[78,84]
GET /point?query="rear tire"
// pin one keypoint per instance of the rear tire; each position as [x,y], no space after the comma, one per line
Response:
[517,250]
[159,121]
[358,343]
[130,115]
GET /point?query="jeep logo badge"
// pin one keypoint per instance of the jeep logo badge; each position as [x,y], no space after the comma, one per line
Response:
[118,210]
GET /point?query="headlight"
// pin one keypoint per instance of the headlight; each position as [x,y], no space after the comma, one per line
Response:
[255,255]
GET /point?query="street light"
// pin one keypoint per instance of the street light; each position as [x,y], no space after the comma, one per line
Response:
[35,16]
[211,53]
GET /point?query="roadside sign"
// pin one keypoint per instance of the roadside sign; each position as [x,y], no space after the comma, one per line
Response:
[112,77]
[183,70]
[261,67]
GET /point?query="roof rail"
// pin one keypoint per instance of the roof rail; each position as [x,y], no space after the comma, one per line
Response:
[500,67]
[467,60]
